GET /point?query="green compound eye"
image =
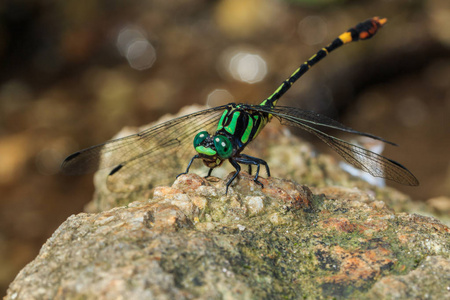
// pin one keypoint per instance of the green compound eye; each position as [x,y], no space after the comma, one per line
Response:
[223,146]
[200,137]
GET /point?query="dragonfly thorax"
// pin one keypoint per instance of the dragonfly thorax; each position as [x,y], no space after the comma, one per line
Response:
[212,149]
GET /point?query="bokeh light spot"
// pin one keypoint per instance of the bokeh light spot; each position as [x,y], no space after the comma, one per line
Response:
[312,30]
[219,97]
[247,67]
[132,43]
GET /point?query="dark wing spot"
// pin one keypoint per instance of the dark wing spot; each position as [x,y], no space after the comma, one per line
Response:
[115,170]
[72,156]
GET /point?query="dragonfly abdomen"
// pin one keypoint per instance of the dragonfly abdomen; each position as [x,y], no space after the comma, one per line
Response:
[362,31]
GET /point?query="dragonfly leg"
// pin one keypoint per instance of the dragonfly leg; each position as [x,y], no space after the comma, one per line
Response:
[250,160]
[209,172]
[238,170]
[189,165]
[258,160]
[250,169]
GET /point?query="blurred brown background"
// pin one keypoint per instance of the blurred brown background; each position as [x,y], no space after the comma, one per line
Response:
[73,73]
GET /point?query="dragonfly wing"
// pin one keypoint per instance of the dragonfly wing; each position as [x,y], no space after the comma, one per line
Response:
[152,167]
[316,119]
[153,150]
[371,162]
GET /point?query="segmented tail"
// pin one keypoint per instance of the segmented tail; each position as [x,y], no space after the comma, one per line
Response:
[363,31]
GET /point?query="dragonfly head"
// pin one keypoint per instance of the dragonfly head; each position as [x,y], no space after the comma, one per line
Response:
[212,149]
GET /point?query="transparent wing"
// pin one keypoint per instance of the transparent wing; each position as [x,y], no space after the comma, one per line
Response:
[371,162]
[314,119]
[148,157]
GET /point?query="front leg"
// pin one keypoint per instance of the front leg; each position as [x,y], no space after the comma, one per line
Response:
[189,165]
[238,170]
[209,172]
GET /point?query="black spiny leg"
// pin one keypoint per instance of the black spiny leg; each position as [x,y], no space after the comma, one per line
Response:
[238,170]
[250,160]
[209,172]
[259,160]
[250,169]
[189,165]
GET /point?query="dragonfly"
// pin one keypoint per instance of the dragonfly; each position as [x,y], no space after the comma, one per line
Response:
[163,147]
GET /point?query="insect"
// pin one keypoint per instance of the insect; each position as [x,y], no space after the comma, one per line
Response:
[236,126]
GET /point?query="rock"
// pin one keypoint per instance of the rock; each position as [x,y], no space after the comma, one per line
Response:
[431,280]
[191,240]
[441,205]
[338,238]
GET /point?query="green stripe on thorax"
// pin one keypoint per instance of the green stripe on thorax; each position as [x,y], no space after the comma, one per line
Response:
[231,127]
[245,137]
[220,126]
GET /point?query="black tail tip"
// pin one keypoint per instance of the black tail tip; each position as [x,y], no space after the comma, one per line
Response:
[368,28]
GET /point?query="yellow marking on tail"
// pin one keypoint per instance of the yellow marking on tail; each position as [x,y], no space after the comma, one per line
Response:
[346,37]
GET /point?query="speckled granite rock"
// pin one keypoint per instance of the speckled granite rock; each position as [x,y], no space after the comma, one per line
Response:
[191,241]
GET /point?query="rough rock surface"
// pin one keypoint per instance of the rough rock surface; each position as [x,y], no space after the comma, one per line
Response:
[283,241]
[337,238]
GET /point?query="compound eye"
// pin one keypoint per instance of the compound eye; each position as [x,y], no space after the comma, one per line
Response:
[223,146]
[200,137]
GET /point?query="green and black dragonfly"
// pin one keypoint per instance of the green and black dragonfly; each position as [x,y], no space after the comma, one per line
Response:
[236,126]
